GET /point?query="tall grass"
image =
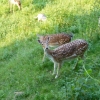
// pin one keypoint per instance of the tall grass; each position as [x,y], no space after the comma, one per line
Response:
[21,67]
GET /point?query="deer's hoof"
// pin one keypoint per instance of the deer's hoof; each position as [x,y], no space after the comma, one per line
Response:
[56,76]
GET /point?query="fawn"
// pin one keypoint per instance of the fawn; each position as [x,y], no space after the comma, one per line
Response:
[12,3]
[66,51]
[41,17]
[55,40]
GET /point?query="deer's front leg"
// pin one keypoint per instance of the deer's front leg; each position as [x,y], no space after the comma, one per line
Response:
[55,66]
[59,65]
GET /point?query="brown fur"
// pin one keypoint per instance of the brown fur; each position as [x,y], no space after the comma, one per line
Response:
[67,51]
[55,40]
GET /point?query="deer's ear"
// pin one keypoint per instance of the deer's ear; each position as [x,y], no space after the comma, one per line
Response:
[48,39]
[39,41]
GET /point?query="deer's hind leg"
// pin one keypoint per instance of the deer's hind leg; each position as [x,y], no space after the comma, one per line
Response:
[75,65]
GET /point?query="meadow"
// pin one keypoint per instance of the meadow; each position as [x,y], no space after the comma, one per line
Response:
[23,75]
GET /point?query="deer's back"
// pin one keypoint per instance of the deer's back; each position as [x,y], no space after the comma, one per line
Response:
[70,50]
[57,39]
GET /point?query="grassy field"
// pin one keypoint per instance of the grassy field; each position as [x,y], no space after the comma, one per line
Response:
[23,75]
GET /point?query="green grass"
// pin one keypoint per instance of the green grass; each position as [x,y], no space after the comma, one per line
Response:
[21,67]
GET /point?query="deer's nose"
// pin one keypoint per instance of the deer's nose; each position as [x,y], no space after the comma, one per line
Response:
[46,48]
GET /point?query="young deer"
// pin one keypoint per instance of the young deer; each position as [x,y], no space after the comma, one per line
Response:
[55,40]
[41,17]
[12,3]
[67,51]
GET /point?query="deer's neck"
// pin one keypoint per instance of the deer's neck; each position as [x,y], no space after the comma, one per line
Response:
[48,51]
[49,54]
